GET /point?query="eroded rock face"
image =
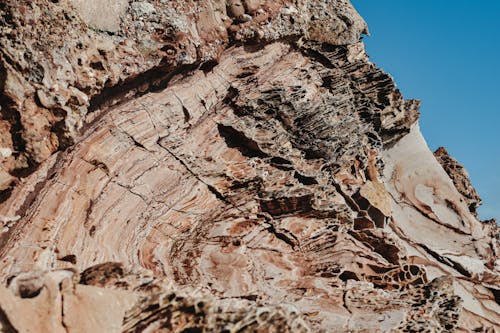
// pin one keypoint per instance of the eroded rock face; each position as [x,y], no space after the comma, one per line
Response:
[460,178]
[61,59]
[234,166]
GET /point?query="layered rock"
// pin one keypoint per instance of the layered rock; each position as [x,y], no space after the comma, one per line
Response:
[228,166]
[61,59]
[460,178]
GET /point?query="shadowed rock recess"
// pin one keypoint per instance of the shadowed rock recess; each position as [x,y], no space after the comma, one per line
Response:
[224,166]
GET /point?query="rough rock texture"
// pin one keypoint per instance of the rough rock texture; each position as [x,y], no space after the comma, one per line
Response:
[224,166]
[460,178]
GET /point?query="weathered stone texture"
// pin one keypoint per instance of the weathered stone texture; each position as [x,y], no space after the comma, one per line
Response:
[224,166]
[460,178]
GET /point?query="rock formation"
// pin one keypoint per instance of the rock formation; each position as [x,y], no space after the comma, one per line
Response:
[224,166]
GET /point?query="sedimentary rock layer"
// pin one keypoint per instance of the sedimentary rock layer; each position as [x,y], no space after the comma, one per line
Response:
[237,166]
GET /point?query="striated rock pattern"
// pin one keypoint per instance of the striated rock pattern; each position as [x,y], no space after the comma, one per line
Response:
[224,166]
[61,59]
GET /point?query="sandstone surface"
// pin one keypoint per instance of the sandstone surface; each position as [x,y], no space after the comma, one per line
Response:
[224,166]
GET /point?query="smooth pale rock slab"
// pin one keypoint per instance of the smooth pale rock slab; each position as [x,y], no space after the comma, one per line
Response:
[92,309]
[434,220]
[101,14]
[415,176]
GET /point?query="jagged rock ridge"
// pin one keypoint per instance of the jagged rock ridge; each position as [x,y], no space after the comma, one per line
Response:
[231,166]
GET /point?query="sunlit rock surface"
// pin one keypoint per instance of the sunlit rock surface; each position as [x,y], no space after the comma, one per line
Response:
[224,166]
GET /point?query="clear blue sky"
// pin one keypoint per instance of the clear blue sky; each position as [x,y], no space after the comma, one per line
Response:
[447,54]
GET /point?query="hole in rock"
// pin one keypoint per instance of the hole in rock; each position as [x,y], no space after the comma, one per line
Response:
[97,66]
[347,275]
[192,330]
[304,179]
[279,160]
[496,294]
[208,65]
[71,258]
[236,139]
[29,291]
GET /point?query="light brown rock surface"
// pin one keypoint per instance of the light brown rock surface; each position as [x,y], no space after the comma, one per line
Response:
[236,166]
